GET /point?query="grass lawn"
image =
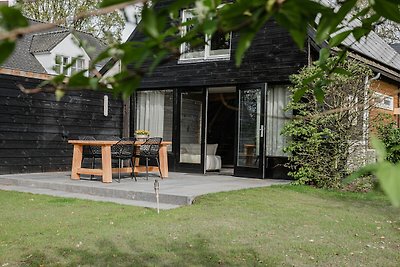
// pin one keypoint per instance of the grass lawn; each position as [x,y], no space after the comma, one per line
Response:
[285,226]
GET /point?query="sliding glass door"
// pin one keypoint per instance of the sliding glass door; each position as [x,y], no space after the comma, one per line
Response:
[250,136]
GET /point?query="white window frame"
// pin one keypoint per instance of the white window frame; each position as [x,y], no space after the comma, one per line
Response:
[78,65]
[205,54]
[59,67]
[380,100]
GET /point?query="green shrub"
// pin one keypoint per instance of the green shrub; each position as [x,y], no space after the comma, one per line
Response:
[389,134]
[321,133]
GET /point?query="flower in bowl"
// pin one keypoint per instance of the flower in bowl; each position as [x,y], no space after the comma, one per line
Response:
[142,132]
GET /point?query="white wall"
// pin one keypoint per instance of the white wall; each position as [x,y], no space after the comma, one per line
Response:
[67,47]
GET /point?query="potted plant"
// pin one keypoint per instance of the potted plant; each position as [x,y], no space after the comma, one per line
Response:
[142,135]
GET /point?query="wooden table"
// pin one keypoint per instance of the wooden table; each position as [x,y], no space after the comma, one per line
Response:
[106,171]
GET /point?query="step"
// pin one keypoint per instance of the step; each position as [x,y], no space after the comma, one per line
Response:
[65,194]
[101,191]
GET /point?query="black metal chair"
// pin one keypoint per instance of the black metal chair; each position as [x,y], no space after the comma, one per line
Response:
[111,138]
[149,150]
[124,150]
[92,152]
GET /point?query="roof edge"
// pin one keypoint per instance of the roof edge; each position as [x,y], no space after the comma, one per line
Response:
[26,74]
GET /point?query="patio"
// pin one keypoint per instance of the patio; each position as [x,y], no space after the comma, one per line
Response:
[177,190]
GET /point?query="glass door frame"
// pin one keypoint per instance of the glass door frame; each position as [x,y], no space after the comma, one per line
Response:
[189,167]
[242,171]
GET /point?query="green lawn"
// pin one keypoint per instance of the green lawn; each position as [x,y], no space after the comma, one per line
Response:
[289,226]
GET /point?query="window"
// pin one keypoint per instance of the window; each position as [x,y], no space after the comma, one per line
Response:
[217,46]
[62,63]
[154,113]
[78,65]
[383,101]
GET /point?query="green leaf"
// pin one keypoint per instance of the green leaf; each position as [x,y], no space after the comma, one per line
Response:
[341,71]
[299,37]
[361,13]
[319,92]
[368,169]
[94,83]
[210,26]
[312,78]
[297,95]
[78,80]
[6,49]
[389,178]
[11,18]
[243,45]
[388,9]
[338,38]
[149,22]
[325,26]
[380,148]
[358,33]
[323,55]
[58,79]
[330,20]
[157,59]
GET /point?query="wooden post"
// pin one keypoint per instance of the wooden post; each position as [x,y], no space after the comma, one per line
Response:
[163,155]
[106,163]
[76,162]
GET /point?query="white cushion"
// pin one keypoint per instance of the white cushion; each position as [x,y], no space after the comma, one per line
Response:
[195,149]
[213,161]
[212,149]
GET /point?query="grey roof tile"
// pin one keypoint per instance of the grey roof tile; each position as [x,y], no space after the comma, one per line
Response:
[372,46]
[396,47]
[45,42]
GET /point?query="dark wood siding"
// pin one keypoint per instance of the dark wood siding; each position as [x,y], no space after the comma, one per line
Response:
[34,129]
[273,57]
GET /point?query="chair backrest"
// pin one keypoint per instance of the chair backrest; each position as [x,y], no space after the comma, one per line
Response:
[111,138]
[125,146]
[151,146]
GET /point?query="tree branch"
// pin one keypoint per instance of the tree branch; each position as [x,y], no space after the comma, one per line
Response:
[16,33]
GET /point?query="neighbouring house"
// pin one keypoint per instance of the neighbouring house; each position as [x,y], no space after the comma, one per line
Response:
[34,128]
[222,117]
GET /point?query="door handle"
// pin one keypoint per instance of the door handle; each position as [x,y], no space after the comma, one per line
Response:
[262,131]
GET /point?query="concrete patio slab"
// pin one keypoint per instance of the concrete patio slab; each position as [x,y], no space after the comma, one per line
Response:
[177,190]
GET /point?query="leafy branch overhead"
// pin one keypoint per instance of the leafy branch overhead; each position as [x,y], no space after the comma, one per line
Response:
[161,27]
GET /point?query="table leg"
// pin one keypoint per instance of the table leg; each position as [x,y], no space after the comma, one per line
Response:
[76,162]
[163,155]
[106,163]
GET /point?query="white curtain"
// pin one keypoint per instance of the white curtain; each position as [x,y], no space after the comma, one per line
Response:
[150,112]
[278,97]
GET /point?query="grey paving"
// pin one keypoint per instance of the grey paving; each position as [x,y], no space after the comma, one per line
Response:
[177,190]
